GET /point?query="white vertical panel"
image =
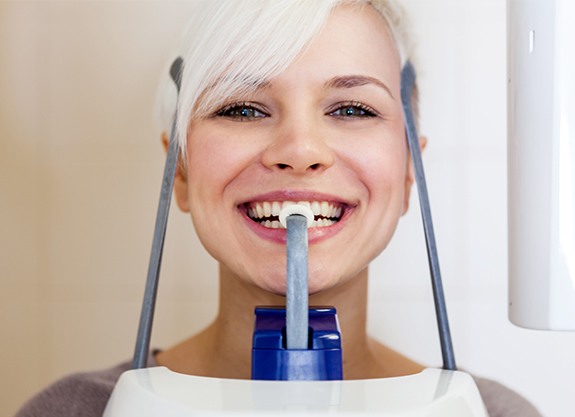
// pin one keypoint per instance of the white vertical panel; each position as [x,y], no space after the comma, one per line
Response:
[541,164]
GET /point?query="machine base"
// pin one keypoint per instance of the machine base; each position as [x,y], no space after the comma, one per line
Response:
[155,392]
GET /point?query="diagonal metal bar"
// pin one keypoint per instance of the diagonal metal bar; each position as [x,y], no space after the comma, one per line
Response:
[407,85]
[148,307]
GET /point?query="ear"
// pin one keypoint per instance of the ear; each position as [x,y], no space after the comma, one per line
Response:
[410,174]
[180,180]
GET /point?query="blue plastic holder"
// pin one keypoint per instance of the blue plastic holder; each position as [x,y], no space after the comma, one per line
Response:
[272,361]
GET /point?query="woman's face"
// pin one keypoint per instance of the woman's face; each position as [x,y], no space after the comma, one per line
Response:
[328,131]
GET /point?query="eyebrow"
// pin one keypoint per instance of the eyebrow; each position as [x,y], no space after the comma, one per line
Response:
[350,81]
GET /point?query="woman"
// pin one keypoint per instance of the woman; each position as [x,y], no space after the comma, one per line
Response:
[286,101]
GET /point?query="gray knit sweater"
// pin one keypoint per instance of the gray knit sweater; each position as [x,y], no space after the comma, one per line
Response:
[86,395]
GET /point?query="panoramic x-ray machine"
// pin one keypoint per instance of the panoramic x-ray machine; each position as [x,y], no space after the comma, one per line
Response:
[296,355]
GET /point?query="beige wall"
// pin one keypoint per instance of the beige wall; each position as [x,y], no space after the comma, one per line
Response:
[80,169]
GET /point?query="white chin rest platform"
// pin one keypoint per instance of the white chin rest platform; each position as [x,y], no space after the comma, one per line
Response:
[159,392]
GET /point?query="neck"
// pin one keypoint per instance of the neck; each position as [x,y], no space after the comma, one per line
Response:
[235,318]
[224,348]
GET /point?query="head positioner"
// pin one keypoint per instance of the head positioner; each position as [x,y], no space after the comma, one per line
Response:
[296,216]
[407,86]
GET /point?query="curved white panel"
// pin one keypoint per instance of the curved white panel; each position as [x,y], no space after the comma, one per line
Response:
[159,392]
[541,157]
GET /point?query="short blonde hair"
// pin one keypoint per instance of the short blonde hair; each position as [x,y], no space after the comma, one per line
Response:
[232,46]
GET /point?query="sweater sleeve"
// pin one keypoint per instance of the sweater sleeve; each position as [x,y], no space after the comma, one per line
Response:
[78,395]
[501,401]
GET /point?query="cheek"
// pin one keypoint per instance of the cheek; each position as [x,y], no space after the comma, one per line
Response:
[206,158]
[207,177]
[218,164]
[214,160]
[381,164]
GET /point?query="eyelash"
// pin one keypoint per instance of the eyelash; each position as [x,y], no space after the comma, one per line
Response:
[239,107]
[367,111]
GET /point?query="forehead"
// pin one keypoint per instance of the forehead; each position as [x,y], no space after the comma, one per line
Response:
[355,40]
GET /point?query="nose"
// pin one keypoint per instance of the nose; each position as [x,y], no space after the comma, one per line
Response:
[299,148]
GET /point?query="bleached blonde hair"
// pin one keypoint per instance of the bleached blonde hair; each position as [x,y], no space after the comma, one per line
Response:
[232,46]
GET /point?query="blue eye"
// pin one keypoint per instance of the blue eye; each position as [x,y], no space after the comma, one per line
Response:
[353,110]
[241,112]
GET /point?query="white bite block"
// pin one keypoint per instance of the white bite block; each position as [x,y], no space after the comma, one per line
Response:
[296,209]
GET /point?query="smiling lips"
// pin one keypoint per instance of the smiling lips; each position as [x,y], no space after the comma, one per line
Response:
[266,213]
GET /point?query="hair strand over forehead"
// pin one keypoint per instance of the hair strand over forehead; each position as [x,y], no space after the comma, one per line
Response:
[232,46]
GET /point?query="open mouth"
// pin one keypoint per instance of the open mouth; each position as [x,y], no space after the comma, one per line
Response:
[266,213]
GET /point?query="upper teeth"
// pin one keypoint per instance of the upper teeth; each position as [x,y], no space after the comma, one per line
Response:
[328,212]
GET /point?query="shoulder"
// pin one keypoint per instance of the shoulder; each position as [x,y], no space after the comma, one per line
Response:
[501,401]
[82,394]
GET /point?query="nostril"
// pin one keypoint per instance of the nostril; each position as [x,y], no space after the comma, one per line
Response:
[314,166]
[283,166]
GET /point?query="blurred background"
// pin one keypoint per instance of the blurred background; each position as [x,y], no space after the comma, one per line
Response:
[80,171]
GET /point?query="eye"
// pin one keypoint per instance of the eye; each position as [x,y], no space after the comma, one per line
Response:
[352,110]
[242,112]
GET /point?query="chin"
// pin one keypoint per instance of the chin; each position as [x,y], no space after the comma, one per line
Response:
[318,286]
[277,285]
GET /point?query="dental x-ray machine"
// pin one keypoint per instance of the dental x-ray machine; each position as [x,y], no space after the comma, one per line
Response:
[296,356]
